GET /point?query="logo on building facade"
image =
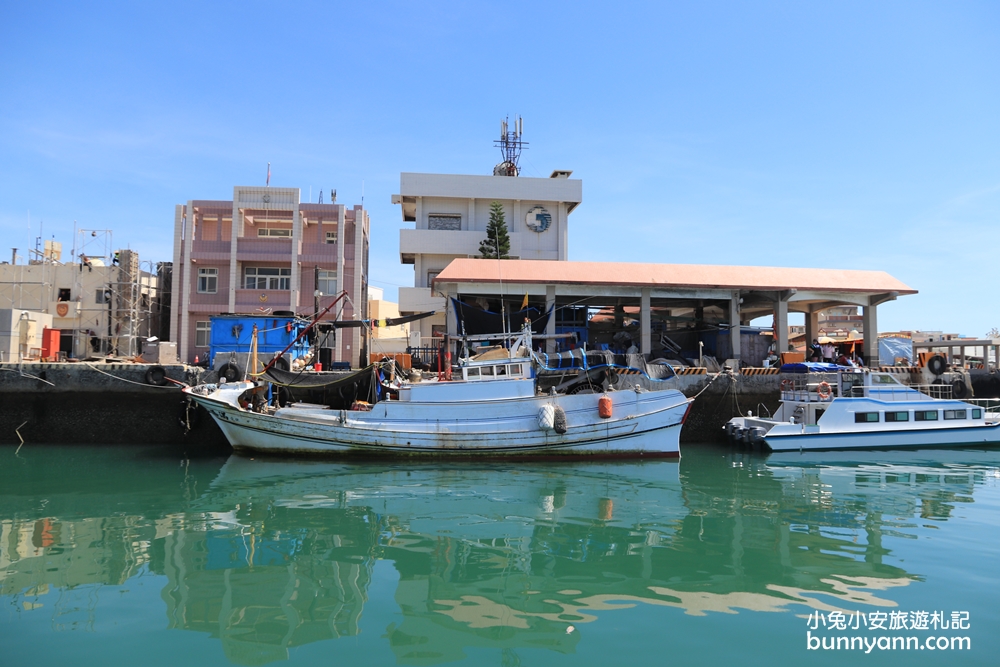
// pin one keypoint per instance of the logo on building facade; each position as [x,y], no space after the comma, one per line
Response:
[538,219]
[62,309]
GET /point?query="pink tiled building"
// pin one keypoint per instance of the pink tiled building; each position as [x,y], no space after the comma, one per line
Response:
[266,252]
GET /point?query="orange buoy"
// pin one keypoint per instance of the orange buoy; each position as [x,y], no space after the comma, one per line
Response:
[604,407]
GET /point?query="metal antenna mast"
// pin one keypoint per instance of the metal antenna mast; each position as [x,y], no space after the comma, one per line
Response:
[510,145]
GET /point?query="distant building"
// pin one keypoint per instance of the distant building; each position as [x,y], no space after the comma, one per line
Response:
[451,213]
[99,306]
[264,252]
[380,309]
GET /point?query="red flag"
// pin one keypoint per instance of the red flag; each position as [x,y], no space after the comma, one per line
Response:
[268,174]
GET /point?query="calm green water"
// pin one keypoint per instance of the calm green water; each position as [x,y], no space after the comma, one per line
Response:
[111,556]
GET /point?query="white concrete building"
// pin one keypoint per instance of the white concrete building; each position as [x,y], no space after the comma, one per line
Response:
[451,213]
[98,308]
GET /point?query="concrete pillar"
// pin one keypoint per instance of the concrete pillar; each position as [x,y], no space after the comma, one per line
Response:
[235,234]
[338,354]
[734,324]
[645,322]
[781,327]
[550,328]
[471,226]
[869,320]
[187,284]
[295,283]
[812,329]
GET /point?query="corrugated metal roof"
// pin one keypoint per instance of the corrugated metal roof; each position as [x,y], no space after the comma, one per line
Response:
[670,275]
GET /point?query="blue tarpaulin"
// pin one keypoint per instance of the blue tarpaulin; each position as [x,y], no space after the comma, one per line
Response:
[812,367]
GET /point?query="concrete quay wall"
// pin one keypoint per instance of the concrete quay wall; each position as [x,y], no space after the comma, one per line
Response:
[92,403]
[99,403]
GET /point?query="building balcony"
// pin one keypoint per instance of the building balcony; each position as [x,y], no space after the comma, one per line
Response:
[419,300]
[210,250]
[319,253]
[414,242]
[266,250]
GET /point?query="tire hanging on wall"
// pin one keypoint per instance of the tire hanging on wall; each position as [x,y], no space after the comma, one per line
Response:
[959,389]
[231,372]
[156,375]
[936,364]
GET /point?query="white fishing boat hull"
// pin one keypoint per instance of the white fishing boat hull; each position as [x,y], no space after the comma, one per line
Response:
[778,440]
[642,424]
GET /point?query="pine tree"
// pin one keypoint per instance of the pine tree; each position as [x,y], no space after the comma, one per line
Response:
[496,235]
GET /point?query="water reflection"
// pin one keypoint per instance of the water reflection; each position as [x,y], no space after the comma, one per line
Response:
[267,556]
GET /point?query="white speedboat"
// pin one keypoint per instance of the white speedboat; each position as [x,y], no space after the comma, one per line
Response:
[859,409]
[492,410]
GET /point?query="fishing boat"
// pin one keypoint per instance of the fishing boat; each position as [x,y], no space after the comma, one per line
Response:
[858,409]
[492,407]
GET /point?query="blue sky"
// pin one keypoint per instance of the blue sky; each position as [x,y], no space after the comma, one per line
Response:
[849,135]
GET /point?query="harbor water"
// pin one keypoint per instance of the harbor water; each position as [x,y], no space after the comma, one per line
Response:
[148,555]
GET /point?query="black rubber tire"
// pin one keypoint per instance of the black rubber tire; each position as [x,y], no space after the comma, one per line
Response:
[230,372]
[281,364]
[959,389]
[156,375]
[612,377]
[937,365]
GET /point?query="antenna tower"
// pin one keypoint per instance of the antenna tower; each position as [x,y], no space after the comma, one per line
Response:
[510,145]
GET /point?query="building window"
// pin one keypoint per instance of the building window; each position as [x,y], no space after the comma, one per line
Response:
[274,233]
[431,275]
[954,414]
[897,416]
[64,294]
[925,415]
[445,221]
[331,237]
[865,417]
[202,330]
[102,295]
[208,281]
[327,282]
[267,278]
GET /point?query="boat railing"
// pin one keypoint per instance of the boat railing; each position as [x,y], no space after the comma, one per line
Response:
[812,389]
[987,404]
[913,392]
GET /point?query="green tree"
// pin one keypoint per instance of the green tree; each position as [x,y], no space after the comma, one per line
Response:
[497,238]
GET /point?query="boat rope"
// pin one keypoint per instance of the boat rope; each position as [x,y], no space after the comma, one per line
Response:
[167,386]
[21,372]
[18,431]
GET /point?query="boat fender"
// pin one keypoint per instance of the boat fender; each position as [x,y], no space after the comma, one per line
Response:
[937,364]
[604,407]
[156,375]
[823,390]
[559,421]
[546,418]
[231,372]
[959,389]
